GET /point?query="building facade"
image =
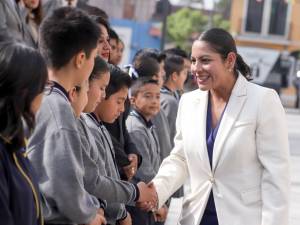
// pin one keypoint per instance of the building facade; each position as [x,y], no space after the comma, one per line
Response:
[267,33]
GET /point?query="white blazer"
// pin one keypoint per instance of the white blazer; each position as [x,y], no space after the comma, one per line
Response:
[250,176]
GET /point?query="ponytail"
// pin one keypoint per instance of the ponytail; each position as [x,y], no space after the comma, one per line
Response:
[242,67]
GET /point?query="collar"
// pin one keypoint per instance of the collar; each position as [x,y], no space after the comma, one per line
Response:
[165,89]
[93,117]
[137,114]
[60,89]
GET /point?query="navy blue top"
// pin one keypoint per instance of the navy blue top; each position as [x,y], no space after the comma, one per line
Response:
[210,214]
[17,202]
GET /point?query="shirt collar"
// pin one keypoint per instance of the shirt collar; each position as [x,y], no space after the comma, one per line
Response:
[148,124]
[60,89]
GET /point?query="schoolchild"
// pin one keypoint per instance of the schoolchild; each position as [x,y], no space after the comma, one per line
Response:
[107,187]
[54,148]
[21,90]
[176,74]
[145,100]
[148,63]
[109,110]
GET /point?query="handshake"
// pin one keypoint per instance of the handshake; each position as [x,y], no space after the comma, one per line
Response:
[148,200]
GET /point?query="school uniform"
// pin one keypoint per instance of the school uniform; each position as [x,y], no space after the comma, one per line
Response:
[103,144]
[19,193]
[122,143]
[12,24]
[162,128]
[143,134]
[54,150]
[169,102]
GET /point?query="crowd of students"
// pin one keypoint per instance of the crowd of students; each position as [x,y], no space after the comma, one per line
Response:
[81,138]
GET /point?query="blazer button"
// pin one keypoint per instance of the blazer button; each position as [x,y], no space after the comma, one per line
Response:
[212,180]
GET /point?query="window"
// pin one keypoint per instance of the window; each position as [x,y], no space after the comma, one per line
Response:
[267,17]
[278,17]
[254,16]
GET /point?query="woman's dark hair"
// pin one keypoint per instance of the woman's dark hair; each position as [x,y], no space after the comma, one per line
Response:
[223,43]
[95,11]
[100,67]
[102,21]
[146,66]
[173,63]
[19,85]
[118,80]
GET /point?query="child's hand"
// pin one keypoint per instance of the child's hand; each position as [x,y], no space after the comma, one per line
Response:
[131,169]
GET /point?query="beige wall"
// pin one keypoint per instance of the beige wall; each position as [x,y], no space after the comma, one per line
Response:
[236,20]
[236,16]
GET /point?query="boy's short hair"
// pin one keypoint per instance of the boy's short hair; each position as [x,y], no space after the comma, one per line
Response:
[147,67]
[118,80]
[65,33]
[173,63]
[139,83]
[100,67]
[176,51]
[148,52]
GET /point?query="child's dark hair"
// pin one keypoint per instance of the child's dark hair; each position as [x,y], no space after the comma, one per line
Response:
[118,80]
[223,43]
[100,67]
[176,51]
[19,85]
[173,63]
[148,52]
[65,33]
[147,67]
[139,83]
[113,35]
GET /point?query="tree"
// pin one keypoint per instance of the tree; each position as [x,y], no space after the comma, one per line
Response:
[218,21]
[183,23]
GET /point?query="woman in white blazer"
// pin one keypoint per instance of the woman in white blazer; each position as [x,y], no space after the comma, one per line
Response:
[231,140]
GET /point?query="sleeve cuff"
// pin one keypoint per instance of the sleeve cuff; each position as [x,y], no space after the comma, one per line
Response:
[124,216]
[137,193]
[103,204]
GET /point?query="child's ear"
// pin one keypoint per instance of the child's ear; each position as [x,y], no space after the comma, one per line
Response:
[132,100]
[80,59]
[72,94]
[174,76]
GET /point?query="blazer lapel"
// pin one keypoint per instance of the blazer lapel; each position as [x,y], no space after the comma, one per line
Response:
[234,107]
[199,127]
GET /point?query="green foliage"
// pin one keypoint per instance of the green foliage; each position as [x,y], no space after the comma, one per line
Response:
[182,24]
[218,21]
